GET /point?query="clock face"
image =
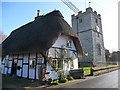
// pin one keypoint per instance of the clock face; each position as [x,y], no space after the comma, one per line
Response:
[97,28]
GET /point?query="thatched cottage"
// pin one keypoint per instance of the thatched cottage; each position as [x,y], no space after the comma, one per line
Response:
[41,48]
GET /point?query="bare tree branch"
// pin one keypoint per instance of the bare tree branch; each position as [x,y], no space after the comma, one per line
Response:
[2,36]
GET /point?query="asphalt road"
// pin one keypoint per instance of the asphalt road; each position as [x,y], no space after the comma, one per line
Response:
[109,80]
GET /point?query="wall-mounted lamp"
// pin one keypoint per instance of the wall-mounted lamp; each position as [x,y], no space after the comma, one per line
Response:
[86,54]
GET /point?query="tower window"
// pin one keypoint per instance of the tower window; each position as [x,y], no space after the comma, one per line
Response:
[80,20]
[99,49]
[98,34]
[96,20]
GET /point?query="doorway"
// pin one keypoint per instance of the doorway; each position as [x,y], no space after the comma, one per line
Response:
[14,67]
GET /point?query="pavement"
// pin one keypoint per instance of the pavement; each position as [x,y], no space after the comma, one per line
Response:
[9,82]
[108,80]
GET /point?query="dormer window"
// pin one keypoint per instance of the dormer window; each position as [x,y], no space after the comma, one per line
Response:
[68,44]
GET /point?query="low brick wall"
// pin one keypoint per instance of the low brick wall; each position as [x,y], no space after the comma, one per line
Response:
[102,70]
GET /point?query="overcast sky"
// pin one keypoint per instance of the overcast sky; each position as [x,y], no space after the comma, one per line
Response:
[16,14]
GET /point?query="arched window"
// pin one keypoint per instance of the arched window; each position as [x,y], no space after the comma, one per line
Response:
[98,49]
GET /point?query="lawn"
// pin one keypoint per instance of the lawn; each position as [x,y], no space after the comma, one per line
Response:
[10,82]
[86,70]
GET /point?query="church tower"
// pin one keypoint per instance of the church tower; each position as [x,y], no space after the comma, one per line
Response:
[88,27]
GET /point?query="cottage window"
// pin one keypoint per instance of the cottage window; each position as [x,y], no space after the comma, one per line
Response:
[6,63]
[15,60]
[68,44]
[32,64]
[40,61]
[57,63]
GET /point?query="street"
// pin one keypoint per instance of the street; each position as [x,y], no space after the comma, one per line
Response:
[109,80]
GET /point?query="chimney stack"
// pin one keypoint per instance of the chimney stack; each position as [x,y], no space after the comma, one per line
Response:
[38,12]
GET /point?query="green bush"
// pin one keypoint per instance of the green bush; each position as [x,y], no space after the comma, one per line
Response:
[61,74]
[43,83]
[63,80]
[83,77]
[77,76]
[49,81]
[70,78]
[55,82]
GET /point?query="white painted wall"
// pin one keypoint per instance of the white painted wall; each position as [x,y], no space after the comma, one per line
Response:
[75,61]
[25,66]
[25,71]
[31,73]
[25,59]
[53,74]
[37,71]
[32,55]
[61,41]
[10,66]
[19,64]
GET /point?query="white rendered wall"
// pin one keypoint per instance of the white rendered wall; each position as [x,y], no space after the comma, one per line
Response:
[19,64]
[61,41]
[53,74]
[10,66]
[25,71]
[25,66]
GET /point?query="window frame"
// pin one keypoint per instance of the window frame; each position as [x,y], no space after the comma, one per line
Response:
[31,64]
[69,44]
[99,49]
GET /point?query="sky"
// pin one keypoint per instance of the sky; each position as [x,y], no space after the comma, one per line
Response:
[15,13]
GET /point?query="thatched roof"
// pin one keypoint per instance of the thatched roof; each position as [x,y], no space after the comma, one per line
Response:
[39,35]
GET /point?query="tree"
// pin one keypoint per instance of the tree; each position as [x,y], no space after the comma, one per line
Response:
[2,36]
[107,55]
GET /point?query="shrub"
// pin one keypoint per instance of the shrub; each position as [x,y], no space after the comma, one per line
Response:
[43,83]
[83,77]
[49,81]
[63,80]
[77,76]
[55,82]
[61,74]
[70,78]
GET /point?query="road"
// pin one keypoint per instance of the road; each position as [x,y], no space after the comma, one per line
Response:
[109,80]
